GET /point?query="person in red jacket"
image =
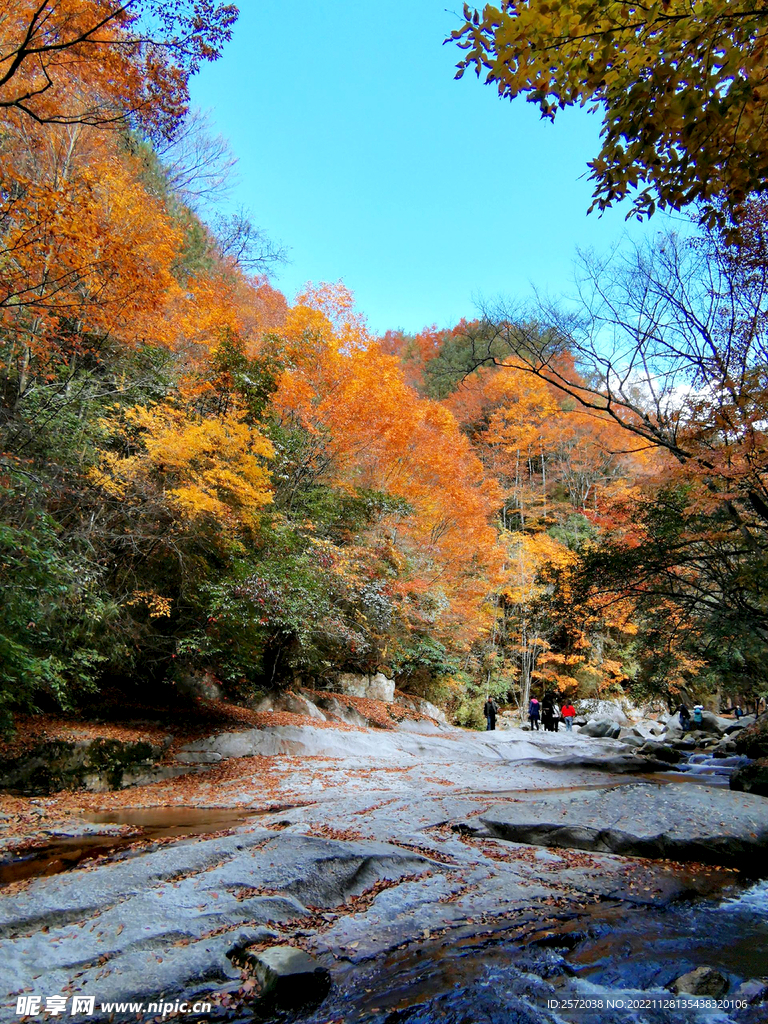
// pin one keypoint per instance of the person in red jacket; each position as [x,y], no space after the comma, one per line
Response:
[568,713]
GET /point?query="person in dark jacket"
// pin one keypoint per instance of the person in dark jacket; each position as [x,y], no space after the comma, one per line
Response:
[489,710]
[548,713]
[685,718]
[533,713]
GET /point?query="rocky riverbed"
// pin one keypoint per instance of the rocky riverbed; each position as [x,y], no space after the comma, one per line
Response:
[396,860]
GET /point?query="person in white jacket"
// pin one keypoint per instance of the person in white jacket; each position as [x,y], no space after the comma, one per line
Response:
[556,716]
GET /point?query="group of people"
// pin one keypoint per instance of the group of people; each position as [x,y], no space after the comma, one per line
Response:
[684,716]
[550,714]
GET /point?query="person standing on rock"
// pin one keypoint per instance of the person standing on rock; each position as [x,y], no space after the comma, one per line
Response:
[556,714]
[698,714]
[489,710]
[533,714]
[685,718]
[547,713]
[568,711]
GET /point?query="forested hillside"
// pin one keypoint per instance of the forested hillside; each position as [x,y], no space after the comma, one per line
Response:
[199,478]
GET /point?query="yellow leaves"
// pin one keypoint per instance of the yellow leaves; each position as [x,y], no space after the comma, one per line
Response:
[324,317]
[528,554]
[206,467]
[159,607]
[88,246]
[682,88]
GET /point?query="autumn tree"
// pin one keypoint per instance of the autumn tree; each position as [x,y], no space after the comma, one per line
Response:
[670,344]
[348,425]
[136,57]
[681,86]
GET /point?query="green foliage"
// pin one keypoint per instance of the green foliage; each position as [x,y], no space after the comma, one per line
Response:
[48,637]
[254,381]
[576,532]
[420,662]
[472,691]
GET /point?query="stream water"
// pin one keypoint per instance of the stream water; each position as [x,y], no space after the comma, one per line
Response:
[610,966]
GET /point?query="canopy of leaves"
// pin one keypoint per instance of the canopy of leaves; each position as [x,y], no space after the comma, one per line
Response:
[682,87]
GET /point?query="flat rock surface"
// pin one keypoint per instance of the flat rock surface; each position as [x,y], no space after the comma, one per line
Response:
[642,819]
[352,853]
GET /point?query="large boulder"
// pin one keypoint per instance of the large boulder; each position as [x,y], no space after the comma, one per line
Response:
[602,727]
[704,981]
[660,751]
[753,741]
[599,709]
[375,687]
[697,823]
[342,711]
[294,703]
[751,778]
[740,723]
[289,977]
[642,732]
[424,707]
[711,725]
[199,683]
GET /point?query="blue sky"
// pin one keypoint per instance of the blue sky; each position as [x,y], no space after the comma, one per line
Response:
[360,153]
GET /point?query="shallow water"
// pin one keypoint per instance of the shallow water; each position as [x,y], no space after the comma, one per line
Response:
[149,823]
[610,966]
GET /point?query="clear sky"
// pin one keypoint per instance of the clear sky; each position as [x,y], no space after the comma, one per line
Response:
[360,153]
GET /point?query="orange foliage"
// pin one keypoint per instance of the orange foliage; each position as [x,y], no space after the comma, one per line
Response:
[379,434]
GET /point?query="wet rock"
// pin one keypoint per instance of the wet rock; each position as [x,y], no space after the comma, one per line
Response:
[600,727]
[686,743]
[753,991]
[704,981]
[632,742]
[661,751]
[168,919]
[643,819]
[725,748]
[616,764]
[289,977]
[238,951]
[751,778]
